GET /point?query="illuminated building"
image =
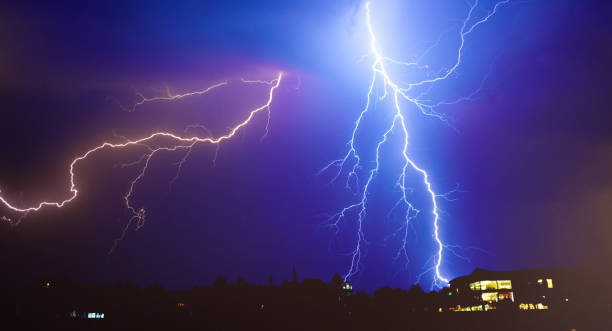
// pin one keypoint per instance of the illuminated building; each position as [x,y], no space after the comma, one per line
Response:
[345,294]
[486,290]
[346,289]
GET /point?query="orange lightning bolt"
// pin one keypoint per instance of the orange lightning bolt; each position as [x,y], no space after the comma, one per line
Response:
[168,97]
[178,142]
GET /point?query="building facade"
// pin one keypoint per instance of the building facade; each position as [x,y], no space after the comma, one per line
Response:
[486,290]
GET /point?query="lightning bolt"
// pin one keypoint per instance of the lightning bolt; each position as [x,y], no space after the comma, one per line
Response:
[406,92]
[152,144]
[168,97]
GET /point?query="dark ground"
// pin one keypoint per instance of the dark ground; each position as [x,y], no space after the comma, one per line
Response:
[308,305]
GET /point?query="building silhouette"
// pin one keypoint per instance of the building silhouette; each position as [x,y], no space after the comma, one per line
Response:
[534,289]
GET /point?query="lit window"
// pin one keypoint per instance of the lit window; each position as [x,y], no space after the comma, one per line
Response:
[549,282]
[488,284]
[505,284]
[489,307]
[506,296]
[95,315]
[473,308]
[489,296]
[531,306]
[540,281]
[484,285]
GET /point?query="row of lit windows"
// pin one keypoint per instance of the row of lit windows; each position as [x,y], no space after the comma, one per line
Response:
[531,306]
[485,307]
[483,285]
[74,314]
[491,285]
[95,315]
[495,296]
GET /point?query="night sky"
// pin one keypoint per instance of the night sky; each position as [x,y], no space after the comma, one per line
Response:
[530,157]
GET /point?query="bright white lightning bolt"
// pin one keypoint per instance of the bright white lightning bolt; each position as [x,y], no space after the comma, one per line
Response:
[399,92]
[155,143]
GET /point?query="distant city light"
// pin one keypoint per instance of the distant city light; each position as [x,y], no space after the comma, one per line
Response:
[74,314]
[95,315]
